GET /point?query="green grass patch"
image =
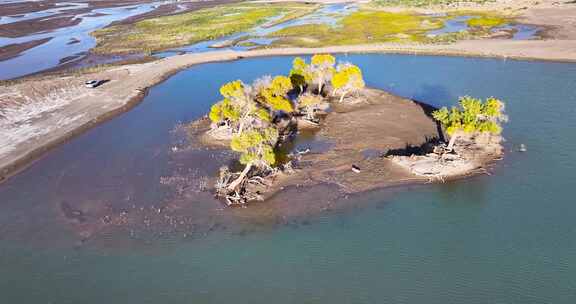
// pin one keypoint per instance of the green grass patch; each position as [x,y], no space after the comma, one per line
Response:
[370,25]
[487,21]
[179,30]
[423,3]
[364,26]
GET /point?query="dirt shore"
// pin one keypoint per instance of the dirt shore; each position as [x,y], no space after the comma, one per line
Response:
[38,114]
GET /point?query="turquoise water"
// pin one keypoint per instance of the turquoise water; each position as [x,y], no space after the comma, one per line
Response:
[504,238]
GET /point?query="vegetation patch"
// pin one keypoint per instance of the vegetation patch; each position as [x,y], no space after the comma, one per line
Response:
[370,25]
[487,21]
[424,3]
[365,26]
[180,30]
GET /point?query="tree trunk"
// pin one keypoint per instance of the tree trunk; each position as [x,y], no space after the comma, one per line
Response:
[452,140]
[233,185]
[310,113]
[240,127]
[342,96]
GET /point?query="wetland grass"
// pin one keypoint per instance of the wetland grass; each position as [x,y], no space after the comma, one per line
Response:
[179,30]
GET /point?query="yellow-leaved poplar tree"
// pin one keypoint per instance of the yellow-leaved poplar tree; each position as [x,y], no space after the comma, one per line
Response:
[471,116]
[347,79]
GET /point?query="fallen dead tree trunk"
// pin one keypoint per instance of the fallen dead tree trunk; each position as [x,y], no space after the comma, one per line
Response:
[238,188]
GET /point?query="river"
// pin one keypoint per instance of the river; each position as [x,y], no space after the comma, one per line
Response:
[507,237]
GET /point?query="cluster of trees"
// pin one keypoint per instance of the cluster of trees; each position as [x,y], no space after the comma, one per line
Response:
[257,116]
[345,77]
[472,116]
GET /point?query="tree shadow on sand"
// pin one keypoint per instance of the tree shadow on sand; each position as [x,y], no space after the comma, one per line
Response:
[427,93]
[408,150]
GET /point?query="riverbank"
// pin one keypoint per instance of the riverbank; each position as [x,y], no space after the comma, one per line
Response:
[38,114]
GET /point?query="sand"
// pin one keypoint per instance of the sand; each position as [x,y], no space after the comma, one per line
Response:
[360,135]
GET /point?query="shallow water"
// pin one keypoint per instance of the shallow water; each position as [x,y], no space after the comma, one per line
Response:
[60,8]
[460,23]
[331,15]
[49,54]
[504,238]
[327,14]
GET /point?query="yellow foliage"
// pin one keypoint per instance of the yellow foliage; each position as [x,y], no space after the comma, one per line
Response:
[281,85]
[215,113]
[224,109]
[256,145]
[300,74]
[348,78]
[323,60]
[274,96]
[233,89]
[472,115]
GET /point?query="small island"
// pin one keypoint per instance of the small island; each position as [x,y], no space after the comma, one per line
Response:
[371,138]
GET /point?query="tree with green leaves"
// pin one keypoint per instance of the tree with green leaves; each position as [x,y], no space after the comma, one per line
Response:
[322,67]
[473,116]
[235,91]
[300,74]
[275,96]
[224,112]
[238,110]
[347,79]
[256,148]
[248,112]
